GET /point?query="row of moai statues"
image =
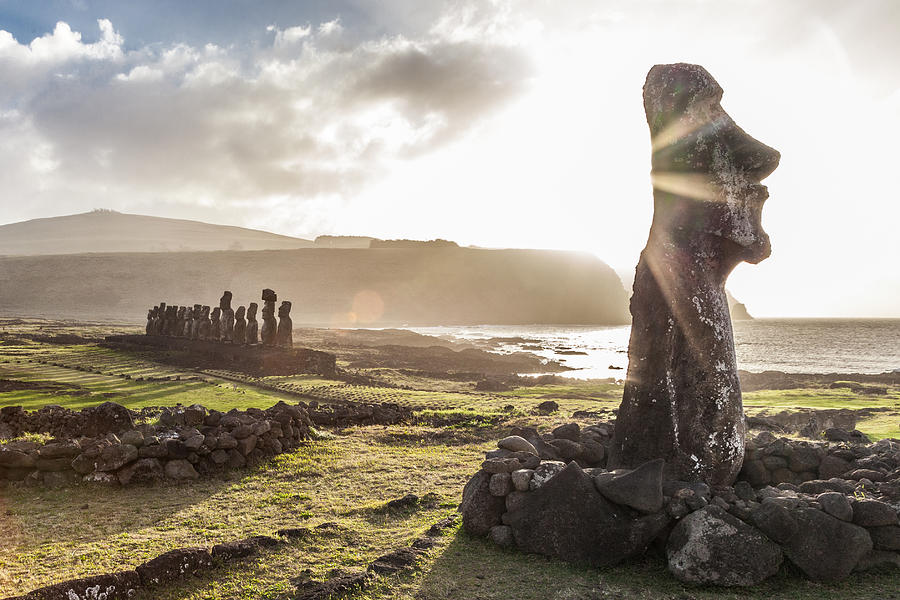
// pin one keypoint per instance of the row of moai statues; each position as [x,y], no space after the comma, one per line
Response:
[224,324]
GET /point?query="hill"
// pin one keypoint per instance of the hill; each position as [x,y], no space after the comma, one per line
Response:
[328,286]
[737,309]
[110,231]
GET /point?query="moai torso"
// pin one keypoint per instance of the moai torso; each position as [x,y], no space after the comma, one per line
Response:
[285,333]
[269,325]
[193,324]
[240,326]
[227,318]
[682,397]
[252,336]
[151,314]
[179,322]
[171,319]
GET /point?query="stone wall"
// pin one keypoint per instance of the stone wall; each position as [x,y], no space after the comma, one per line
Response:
[836,511]
[255,360]
[102,444]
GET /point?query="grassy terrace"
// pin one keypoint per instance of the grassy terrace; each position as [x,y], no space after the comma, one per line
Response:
[47,536]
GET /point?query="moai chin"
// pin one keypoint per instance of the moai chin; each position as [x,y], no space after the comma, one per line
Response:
[240,326]
[214,323]
[252,336]
[682,398]
[226,322]
[285,333]
[269,325]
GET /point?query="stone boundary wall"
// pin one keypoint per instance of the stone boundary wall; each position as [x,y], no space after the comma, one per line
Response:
[102,444]
[837,513]
[257,360]
[181,562]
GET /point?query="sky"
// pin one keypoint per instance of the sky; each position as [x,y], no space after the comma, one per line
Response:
[503,123]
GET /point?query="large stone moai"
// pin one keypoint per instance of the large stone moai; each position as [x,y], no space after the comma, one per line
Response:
[239,333]
[269,329]
[151,315]
[194,323]
[226,323]
[252,337]
[159,323]
[214,323]
[171,319]
[178,330]
[285,335]
[682,398]
[204,327]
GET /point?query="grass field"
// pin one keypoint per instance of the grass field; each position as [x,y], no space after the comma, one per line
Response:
[47,536]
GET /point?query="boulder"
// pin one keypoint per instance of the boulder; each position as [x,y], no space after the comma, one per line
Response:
[544,472]
[500,484]
[174,564]
[516,443]
[873,513]
[710,546]
[567,449]
[109,586]
[775,521]
[15,459]
[141,471]
[108,417]
[826,548]
[116,456]
[833,466]
[568,518]
[181,469]
[836,504]
[521,479]
[481,510]
[60,450]
[569,431]
[641,489]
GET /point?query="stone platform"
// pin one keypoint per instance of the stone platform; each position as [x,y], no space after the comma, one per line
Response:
[255,360]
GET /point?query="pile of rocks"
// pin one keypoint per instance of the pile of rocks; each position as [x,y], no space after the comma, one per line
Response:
[543,496]
[772,460]
[187,443]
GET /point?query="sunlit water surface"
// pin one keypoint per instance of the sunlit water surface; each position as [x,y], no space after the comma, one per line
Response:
[790,345]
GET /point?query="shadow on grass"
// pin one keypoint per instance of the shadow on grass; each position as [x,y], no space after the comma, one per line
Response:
[475,568]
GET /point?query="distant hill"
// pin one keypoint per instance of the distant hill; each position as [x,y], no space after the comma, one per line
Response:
[328,286]
[110,231]
[344,241]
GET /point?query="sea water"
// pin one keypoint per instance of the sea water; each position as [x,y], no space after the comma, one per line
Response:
[789,345]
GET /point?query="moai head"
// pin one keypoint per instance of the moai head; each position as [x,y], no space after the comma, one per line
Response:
[251,310]
[204,313]
[239,313]
[216,313]
[706,169]
[198,311]
[225,301]
[285,309]
[181,311]
[269,295]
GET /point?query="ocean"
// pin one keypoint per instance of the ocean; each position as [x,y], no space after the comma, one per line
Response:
[789,345]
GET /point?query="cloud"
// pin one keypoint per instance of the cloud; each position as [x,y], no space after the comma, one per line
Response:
[312,115]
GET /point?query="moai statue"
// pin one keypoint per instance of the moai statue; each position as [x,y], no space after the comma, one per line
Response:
[151,315]
[196,317]
[226,322]
[682,398]
[214,327]
[285,334]
[178,331]
[240,326]
[205,325]
[270,325]
[159,318]
[171,318]
[252,337]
